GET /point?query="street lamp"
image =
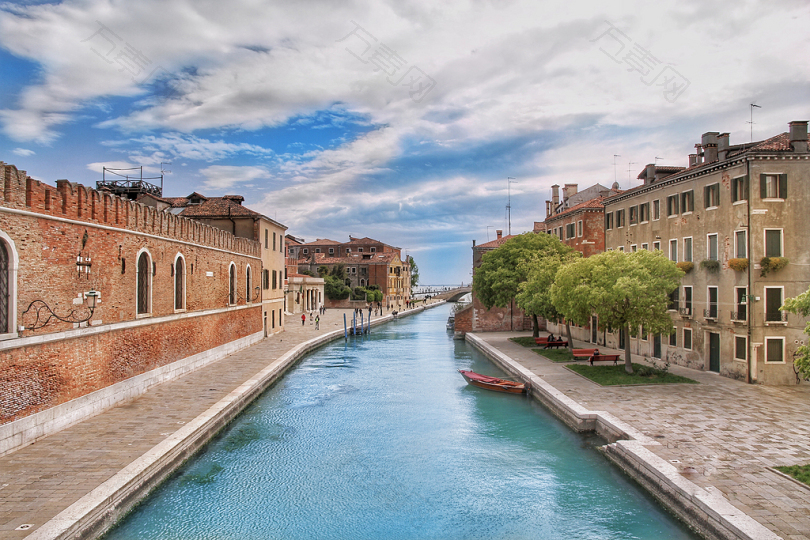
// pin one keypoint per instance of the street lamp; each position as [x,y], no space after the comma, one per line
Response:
[45,313]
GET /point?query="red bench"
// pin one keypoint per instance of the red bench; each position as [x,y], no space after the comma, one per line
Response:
[585,353]
[604,358]
[541,340]
[555,344]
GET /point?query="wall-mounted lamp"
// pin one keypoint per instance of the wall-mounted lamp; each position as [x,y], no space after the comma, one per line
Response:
[45,313]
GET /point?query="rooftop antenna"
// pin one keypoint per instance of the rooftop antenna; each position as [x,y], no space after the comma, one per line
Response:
[656,160]
[615,179]
[488,228]
[629,169]
[509,182]
[751,106]
[162,172]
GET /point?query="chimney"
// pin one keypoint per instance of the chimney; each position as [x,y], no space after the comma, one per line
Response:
[548,209]
[722,146]
[570,190]
[499,233]
[555,195]
[709,144]
[798,135]
[693,158]
[698,154]
[649,174]
[473,243]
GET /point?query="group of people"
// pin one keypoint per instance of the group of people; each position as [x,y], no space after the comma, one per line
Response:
[313,318]
[551,338]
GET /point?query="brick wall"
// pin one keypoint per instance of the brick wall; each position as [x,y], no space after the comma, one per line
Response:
[497,319]
[50,229]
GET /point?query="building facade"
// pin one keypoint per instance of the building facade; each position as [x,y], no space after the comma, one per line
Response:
[734,221]
[170,294]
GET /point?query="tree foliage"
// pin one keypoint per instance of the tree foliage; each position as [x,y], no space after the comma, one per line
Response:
[625,290]
[498,279]
[800,305]
[414,272]
[334,288]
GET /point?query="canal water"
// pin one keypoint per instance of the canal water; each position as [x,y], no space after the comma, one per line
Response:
[380,438]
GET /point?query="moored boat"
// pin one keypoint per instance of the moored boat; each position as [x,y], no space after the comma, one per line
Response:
[492,383]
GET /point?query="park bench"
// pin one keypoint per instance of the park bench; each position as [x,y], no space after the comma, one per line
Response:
[585,353]
[604,358]
[541,340]
[555,344]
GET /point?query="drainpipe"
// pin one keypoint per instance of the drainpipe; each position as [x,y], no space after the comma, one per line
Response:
[232,221]
[748,301]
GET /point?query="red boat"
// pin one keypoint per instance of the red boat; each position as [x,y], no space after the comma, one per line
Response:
[492,383]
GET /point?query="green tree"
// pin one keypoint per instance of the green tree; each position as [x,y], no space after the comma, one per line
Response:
[625,290]
[534,294]
[338,271]
[414,272]
[334,289]
[323,270]
[496,281]
[801,306]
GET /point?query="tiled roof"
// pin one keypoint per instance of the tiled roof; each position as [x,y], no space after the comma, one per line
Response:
[322,242]
[498,242]
[377,258]
[218,207]
[592,203]
[779,143]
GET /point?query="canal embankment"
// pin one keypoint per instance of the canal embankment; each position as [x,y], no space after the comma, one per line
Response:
[78,482]
[704,451]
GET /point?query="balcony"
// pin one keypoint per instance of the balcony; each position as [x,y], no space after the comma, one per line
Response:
[739,315]
[711,312]
[686,312]
[777,317]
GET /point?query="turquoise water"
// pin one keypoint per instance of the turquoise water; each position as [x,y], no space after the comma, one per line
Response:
[380,438]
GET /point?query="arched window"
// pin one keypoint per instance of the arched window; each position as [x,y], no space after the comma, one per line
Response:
[5,289]
[144,287]
[248,295]
[179,283]
[232,284]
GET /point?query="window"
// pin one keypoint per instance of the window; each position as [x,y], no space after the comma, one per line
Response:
[373,250]
[741,348]
[248,283]
[579,228]
[711,311]
[306,251]
[267,239]
[360,250]
[317,250]
[773,301]
[644,212]
[687,249]
[672,205]
[711,247]
[348,250]
[739,244]
[569,231]
[739,189]
[645,247]
[6,293]
[274,241]
[232,284]
[634,215]
[608,221]
[657,246]
[688,201]
[687,299]
[773,186]
[775,349]
[619,218]
[621,248]
[773,242]
[633,248]
[673,250]
[673,338]
[275,279]
[687,339]
[656,210]
[144,286]
[266,279]
[740,301]
[711,196]
[673,301]
[331,251]
[179,283]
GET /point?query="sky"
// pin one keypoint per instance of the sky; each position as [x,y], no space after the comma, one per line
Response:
[412,122]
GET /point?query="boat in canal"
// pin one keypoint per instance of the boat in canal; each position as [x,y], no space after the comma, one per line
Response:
[492,383]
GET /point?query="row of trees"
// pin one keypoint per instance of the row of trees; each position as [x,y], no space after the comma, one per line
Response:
[546,278]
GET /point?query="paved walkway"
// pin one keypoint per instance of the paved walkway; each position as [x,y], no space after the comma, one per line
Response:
[40,480]
[720,433]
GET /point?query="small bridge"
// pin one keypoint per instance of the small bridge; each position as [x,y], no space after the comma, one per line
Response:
[454,295]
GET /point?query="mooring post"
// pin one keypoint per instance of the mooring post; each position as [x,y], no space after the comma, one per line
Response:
[345,330]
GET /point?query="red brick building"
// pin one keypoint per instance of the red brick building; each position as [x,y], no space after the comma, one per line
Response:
[173,295]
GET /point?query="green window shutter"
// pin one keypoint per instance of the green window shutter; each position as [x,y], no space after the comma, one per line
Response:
[763,187]
[746,188]
[783,186]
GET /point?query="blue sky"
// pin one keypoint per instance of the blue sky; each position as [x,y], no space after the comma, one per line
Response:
[400,120]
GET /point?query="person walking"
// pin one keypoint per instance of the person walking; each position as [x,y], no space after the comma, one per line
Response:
[303,319]
[317,322]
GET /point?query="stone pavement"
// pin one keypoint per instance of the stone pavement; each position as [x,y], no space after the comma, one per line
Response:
[39,481]
[721,433]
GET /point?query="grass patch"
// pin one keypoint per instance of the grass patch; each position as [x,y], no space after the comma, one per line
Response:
[799,472]
[526,341]
[614,375]
[556,355]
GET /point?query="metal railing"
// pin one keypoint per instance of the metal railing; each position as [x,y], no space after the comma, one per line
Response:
[710,312]
[739,314]
[685,311]
[776,316]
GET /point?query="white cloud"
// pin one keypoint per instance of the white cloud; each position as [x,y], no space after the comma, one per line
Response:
[225,176]
[23,152]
